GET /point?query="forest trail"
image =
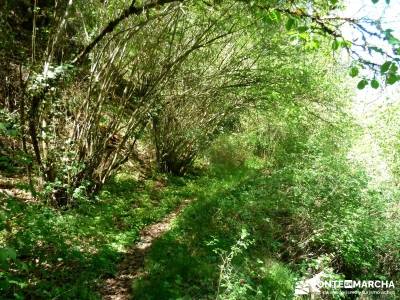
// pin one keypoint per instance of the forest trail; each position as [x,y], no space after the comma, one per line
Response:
[118,287]
[10,186]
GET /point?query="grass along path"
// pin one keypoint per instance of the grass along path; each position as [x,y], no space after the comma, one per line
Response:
[118,287]
[70,254]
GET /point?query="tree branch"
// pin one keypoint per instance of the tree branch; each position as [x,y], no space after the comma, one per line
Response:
[130,11]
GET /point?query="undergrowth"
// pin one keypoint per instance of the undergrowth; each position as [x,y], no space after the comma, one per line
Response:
[252,231]
[53,254]
[295,215]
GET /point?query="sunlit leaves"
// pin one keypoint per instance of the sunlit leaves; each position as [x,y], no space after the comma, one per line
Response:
[340,43]
[354,71]
[393,68]
[390,69]
[385,67]
[335,44]
[391,38]
[312,44]
[290,24]
[275,16]
[311,29]
[346,44]
[392,78]
[374,83]
[362,84]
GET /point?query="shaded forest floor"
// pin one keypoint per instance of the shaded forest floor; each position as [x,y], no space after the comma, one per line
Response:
[70,254]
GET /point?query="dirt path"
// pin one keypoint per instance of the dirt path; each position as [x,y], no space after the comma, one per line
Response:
[9,187]
[118,287]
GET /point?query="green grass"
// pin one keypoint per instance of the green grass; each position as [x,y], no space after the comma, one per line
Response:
[66,254]
[184,263]
[292,216]
[295,216]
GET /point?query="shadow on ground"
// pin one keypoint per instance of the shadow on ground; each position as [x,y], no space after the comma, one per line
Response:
[184,263]
[69,254]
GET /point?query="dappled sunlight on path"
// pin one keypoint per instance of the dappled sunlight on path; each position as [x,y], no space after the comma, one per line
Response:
[118,287]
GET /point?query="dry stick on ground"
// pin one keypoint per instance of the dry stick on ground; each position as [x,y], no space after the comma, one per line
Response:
[131,267]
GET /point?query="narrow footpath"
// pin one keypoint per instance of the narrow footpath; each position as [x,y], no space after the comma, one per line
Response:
[131,267]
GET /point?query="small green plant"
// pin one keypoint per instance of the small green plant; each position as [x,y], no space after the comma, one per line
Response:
[8,280]
[231,283]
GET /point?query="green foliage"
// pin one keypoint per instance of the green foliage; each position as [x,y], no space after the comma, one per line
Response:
[230,284]
[66,254]
[385,67]
[276,280]
[362,84]
[247,90]
[12,159]
[374,83]
[387,131]
[322,265]
[305,216]
[337,207]
[291,22]
[354,71]
[227,155]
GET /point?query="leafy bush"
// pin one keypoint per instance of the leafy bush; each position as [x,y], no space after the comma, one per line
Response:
[231,284]
[227,155]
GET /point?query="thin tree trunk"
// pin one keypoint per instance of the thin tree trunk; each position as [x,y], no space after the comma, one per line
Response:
[23,136]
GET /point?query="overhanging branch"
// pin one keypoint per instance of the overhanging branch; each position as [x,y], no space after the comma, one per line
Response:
[132,10]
